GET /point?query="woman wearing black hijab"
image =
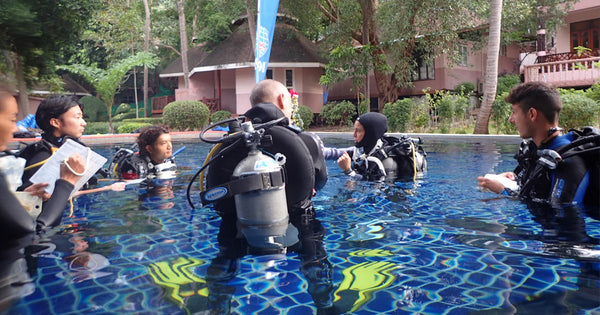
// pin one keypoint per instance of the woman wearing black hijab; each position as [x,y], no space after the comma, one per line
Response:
[379,157]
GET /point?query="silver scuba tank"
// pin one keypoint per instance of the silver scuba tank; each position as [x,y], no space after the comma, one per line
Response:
[264,206]
[263,212]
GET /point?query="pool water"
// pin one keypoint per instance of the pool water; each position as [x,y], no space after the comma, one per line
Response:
[434,246]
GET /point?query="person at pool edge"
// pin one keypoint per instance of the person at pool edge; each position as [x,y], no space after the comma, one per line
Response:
[535,111]
[16,222]
[378,157]
[154,158]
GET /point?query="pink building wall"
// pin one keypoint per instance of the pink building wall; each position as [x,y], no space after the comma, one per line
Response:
[582,10]
[237,84]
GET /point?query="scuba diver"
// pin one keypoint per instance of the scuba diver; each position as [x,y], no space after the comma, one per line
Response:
[377,157]
[60,118]
[16,221]
[554,168]
[153,160]
[263,168]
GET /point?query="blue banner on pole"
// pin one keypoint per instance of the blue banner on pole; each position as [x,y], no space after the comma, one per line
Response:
[265,26]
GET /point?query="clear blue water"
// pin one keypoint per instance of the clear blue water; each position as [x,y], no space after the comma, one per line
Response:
[437,246]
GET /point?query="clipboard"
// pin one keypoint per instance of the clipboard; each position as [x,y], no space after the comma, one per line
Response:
[49,172]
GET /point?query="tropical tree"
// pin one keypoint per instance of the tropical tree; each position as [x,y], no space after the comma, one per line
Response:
[107,81]
[184,42]
[402,36]
[34,34]
[491,69]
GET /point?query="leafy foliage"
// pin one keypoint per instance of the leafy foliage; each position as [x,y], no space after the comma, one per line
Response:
[108,81]
[219,116]
[131,126]
[123,108]
[506,83]
[465,88]
[186,115]
[399,114]
[306,114]
[94,128]
[578,110]
[500,113]
[93,109]
[149,120]
[40,31]
[594,92]
[340,114]
[121,116]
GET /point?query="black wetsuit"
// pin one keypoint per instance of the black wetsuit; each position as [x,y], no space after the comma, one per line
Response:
[565,184]
[38,152]
[305,169]
[127,164]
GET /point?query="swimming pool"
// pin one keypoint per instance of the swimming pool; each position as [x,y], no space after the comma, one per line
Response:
[437,246]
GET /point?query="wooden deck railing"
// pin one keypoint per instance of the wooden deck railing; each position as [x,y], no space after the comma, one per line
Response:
[159,103]
[568,73]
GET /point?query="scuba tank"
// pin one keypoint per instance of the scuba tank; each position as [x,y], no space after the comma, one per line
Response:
[262,212]
[257,188]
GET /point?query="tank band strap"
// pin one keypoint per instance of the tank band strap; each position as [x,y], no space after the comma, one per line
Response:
[259,181]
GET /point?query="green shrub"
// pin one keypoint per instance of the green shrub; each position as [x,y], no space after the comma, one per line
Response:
[131,126]
[500,113]
[506,83]
[186,115]
[306,114]
[94,109]
[465,88]
[340,114]
[399,114]
[94,128]
[142,119]
[123,108]
[220,115]
[594,92]
[578,111]
[461,104]
[121,116]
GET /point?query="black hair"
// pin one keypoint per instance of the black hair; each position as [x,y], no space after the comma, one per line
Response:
[149,135]
[536,95]
[53,107]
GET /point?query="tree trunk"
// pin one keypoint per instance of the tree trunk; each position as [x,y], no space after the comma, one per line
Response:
[147,110]
[22,86]
[251,23]
[184,44]
[491,71]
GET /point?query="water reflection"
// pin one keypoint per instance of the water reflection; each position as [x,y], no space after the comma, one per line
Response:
[214,293]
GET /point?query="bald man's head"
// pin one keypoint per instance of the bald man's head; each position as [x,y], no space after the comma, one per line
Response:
[271,91]
[266,91]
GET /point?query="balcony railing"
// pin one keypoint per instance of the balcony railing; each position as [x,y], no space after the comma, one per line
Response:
[568,73]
